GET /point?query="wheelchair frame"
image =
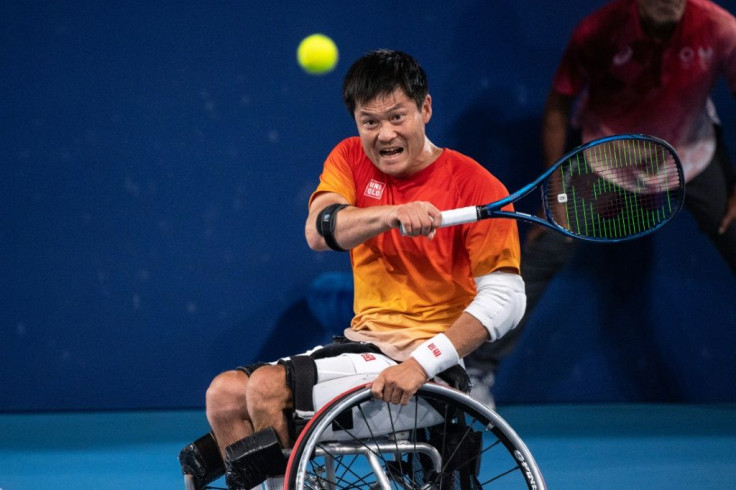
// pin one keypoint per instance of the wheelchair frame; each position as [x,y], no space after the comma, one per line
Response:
[407,458]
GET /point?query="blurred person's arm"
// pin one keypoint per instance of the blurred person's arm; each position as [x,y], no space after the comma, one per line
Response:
[555,126]
[730,212]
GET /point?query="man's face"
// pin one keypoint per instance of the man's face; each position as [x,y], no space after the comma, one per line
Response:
[662,12]
[391,128]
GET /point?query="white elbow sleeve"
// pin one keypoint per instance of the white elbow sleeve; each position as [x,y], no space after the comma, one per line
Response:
[500,302]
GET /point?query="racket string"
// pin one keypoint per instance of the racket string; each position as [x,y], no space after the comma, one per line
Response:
[616,189]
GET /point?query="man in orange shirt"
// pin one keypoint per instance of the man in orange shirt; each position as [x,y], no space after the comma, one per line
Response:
[424,297]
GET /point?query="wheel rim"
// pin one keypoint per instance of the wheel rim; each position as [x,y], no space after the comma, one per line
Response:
[503,462]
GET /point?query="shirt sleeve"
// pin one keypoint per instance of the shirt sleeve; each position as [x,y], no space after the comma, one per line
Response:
[337,174]
[727,46]
[571,76]
[492,244]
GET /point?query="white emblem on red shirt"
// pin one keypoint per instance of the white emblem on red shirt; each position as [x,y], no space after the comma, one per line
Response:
[374,189]
[686,55]
[705,55]
[623,56]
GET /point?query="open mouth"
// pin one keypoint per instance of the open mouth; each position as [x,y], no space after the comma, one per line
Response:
[391,152]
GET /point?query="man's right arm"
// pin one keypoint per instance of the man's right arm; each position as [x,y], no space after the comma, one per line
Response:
[354,226]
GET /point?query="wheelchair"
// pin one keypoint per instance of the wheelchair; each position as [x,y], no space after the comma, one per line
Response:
[443,439]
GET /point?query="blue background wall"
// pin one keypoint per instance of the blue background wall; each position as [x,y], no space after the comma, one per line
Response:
[156,161]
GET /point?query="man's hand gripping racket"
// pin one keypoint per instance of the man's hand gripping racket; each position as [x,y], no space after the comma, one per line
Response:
[608,190]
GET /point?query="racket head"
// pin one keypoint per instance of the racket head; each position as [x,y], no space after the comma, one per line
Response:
[615,188]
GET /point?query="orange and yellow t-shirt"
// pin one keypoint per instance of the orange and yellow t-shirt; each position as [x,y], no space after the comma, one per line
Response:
[408,289]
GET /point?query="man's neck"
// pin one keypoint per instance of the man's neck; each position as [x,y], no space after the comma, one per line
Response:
[659,32]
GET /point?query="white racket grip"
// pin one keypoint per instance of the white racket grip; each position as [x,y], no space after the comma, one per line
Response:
[459,216]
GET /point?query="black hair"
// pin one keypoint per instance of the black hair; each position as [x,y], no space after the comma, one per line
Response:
[380,73]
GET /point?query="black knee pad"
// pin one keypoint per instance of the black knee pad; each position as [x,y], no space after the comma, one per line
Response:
[250,367]
[202,460]
[253,459]
[301,376]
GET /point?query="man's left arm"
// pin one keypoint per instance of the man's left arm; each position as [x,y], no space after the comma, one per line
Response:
[497,308]
[397,384]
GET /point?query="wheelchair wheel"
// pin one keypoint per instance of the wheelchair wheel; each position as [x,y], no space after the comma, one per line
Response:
[443,439]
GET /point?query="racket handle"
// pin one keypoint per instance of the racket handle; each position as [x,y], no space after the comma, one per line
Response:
[459,216]
[454,217]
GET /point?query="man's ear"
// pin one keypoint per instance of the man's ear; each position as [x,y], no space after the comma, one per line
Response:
[427,109]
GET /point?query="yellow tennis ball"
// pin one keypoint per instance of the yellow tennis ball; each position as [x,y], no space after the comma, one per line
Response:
[317,54]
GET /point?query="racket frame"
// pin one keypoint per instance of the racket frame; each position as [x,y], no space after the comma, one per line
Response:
[471,214]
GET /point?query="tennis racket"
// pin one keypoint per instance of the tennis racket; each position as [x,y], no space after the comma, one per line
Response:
[608,190]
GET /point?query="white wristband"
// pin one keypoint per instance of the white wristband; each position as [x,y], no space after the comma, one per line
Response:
[435,355]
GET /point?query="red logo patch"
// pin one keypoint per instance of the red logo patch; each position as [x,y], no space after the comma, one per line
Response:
[374,189]
[369,357]
[435,350]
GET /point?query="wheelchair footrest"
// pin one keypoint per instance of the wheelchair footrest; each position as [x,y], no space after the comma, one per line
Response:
[253,459]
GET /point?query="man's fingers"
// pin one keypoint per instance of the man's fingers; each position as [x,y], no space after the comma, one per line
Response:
[382,391]
[404,399]
[419,219]
[377,388]
[393,395]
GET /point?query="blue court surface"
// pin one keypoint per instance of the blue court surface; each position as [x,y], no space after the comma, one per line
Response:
[647,446]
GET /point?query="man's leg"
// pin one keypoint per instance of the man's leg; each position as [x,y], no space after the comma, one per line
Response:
[267,397]
[226,408]
[258,453]
[203,461]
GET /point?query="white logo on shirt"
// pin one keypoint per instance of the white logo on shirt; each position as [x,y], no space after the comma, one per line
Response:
[705,55]
[623,56]
[374,189]
[686,55]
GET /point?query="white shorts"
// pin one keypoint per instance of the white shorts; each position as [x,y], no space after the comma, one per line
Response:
[335,375]
[351,364]
[340,373]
